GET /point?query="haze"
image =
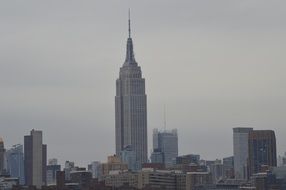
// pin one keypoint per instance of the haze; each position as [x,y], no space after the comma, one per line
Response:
[214,64]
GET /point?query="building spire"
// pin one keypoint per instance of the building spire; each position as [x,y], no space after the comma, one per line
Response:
[129,24]
[130,59]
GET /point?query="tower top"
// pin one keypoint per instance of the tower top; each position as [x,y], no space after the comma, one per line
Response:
[130,59]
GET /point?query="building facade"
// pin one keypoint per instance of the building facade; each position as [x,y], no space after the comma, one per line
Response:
[95,168]
[228,168]
[120,179]
[35,159]
[216,170]
[69,166]
[262,150]
[166,141]
[197,179]
[131,107]
[82,178]
[128,156]
[114,163]
[2,156]
[157,156]
[161,179]
[240,151]
[52,168]
[188,159]
[15,162]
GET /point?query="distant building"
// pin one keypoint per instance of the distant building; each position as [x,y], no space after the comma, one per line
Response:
[120,179]
[83,178]
[281,160]
[7,183]
[265,181]
[284,160]
[15,162]
[229,184]
[2,156]
[69,166]
[188,159]
[114,163]
[216,170]
[147,178]
[155,166]
[157,156]
[95,169]
[228,168]
[262,150]
[60,180]
[128,156]
[166,141]
[197,179]
[35,159]
[160,179]
[240,151]
[280,172]
[53,161]
[52,168]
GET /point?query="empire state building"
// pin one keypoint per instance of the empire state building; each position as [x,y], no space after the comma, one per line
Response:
[131,107]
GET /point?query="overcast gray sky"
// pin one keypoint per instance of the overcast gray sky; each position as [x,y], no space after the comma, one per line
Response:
[215,64]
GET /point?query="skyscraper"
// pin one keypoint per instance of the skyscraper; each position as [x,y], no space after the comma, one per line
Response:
[15,162]
[35,159]
[262,150]
[131,107]
[2,156]
[240,151]
[166,142]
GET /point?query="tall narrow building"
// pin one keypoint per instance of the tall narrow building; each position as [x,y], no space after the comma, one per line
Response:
[15,162]
[131,107]
[35,159]
[240,151]
[2,156]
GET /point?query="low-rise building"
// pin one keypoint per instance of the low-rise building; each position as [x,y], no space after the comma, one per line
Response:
[114,163]
[197,179]
[83,178]
[119,179]
[6,183]
[162,179]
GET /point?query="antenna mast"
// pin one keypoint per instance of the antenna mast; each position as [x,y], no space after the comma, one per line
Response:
[129,23]
[165,123]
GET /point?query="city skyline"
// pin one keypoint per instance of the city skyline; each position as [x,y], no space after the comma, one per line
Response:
[62,77]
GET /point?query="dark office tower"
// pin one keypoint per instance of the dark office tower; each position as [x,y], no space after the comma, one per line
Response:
[35,160]
[130,107]
[44,164]
[262,150]
[2,155]
[60,180]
